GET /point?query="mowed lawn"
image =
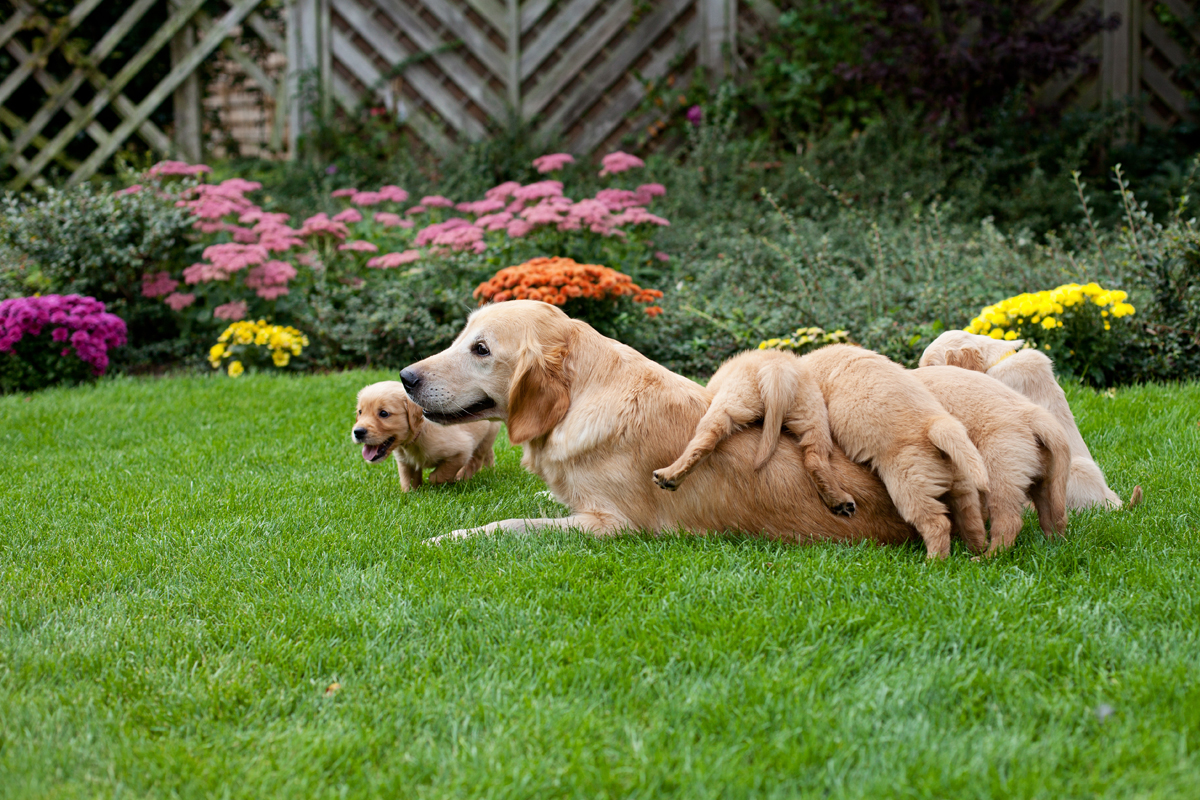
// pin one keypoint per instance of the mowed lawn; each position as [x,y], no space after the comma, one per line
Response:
[206,592]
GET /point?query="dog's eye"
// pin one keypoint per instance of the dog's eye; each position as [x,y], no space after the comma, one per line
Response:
[480,349]
[384,414]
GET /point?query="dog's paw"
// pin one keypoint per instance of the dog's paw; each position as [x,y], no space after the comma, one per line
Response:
[845,509]
[664,483]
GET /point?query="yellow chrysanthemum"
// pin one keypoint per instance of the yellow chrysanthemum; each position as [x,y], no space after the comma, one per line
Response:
[235,369]
[281,358]
[1010,335]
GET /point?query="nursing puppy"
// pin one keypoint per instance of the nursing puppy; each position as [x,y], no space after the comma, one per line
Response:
[1031,373]
[773,387]
[595,419]
[880,414]
[388,422]
[1023,447]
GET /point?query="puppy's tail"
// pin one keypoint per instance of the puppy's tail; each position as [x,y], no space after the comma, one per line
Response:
[1053,439]
[777,387]
[949,436]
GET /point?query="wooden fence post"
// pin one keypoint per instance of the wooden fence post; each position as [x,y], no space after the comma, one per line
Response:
[718,35]
[1119,53]
[188,137]
[307,70]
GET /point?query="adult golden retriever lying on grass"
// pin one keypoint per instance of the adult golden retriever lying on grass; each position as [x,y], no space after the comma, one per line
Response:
[596,418]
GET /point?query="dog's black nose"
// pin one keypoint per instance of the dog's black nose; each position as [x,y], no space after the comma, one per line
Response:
[360,433]
[410,378]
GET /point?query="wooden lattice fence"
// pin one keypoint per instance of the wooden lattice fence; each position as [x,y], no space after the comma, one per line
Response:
[452,70]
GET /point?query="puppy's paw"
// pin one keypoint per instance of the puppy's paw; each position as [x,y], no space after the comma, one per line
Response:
[663,482]
[845,509]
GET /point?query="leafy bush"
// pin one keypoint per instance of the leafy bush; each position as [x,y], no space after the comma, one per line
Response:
[94,242]
[258,344]
[55,339]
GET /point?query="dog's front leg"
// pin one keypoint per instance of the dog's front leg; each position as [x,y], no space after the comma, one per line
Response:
[410,476]
[594,523]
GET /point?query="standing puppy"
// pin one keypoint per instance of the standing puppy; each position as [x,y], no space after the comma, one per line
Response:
[1030,372]
[387,421]
[1023,447]
[771,386]
[883,415]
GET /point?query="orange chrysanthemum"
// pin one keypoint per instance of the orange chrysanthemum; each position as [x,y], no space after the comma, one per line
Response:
[557,280]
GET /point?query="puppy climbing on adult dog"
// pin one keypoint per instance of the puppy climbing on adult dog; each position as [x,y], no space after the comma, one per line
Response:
[387,422]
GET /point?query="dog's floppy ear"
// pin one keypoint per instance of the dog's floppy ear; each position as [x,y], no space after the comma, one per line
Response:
[416,417]
[966,357]
[538,397]
[934,356]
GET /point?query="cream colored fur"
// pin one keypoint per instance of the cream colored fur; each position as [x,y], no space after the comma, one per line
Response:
[454,454]
[595,418]
[880,414]
[1024,448]
[771,387]
[1031,373]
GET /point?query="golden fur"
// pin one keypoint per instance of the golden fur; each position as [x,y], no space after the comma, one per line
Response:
[388,422]
[771,387]
[1024,448]
[1030,372]
[596,418]
[881,414]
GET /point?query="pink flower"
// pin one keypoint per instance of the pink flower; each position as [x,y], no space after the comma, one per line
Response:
[618,199]
[349,215]
[436,201]
[536,191]
[367,199]
[231,311]
[202,273]
[178,301]
[638,216]
[270,279]
[502,191]
[480,206]
[359,245]
[592,214]
[416,210]
[456,233]
[137,187]
[158,285]
[177,168]
[695,115]
[210,226]
[661,256]
[278,240]
[233,257]
[651,190]
[542,215]
[390,220]
[518,228]
[244,235]
[239,186]
[494,222]
[263,218]
[551,163]
[394,259]
[393,193]
[515,207]
[619,162]
[343,192]
[59,334]
[321,224]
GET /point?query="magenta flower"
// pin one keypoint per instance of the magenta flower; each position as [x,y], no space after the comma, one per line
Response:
[436,201]
[360,245]
[553,162]
[158,284]
[231,311]
[619,162]
[391,260]
[349,215]
[179,301]
[80,321]
[694,115]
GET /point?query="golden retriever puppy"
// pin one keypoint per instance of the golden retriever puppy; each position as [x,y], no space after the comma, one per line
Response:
[771,387]
[881,415]
[1023,447]
[595,418]
[1030,372]
[388,422]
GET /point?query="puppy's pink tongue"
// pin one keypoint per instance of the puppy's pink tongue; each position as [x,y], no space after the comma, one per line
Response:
[370,451]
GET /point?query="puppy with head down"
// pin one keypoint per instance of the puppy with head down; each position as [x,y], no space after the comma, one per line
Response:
[1030,372]
[388,422]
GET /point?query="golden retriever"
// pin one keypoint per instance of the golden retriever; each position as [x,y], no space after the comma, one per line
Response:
[388,422]
[596,418]
[771,387]
[1030,372]
[1024,448]
[881,415]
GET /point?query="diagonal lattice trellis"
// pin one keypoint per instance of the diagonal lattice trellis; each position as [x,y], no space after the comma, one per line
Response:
[31,145]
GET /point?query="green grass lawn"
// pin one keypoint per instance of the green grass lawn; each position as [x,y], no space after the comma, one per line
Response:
[189,565]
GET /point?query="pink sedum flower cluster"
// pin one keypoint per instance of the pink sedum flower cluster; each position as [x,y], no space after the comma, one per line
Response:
[77,323]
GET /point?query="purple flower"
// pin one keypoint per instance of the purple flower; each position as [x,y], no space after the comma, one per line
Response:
[694,115]
[331,169]
[81,321]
